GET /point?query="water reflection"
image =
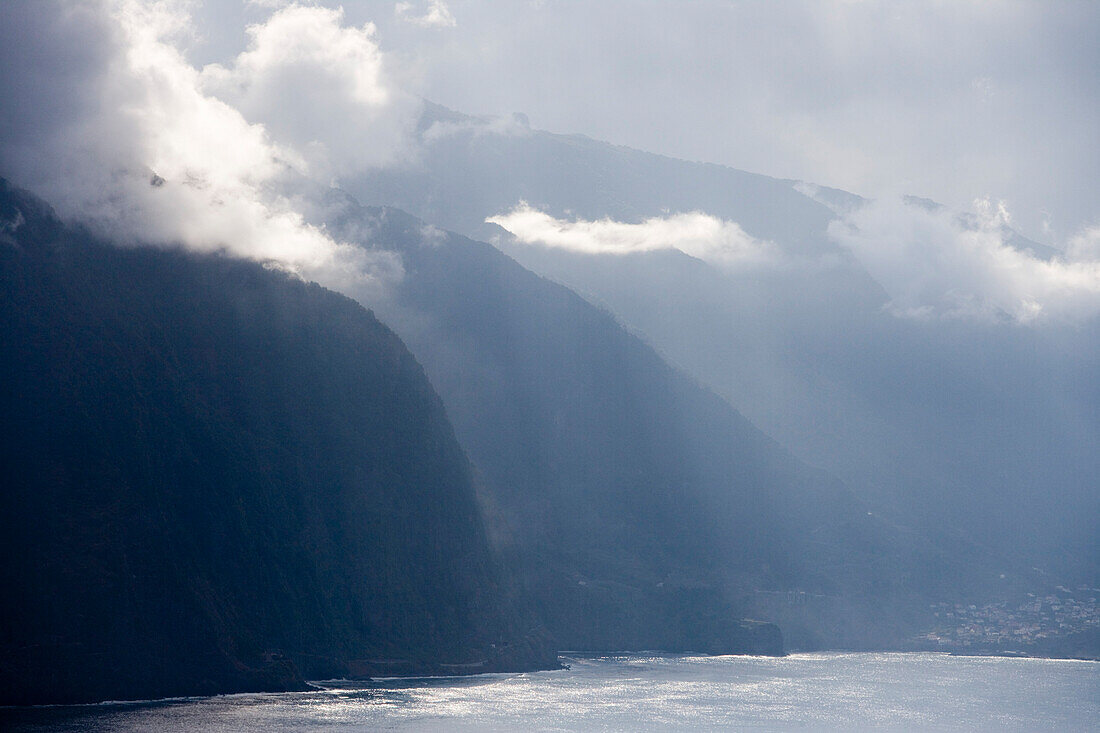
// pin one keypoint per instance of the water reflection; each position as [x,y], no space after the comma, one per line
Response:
[831,691]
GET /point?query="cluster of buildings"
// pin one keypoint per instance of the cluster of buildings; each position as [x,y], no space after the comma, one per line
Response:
[1007,626]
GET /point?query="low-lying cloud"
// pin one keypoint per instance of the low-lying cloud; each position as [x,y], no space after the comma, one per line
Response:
[935,265]
[107,120]
[694,233]
[514,125]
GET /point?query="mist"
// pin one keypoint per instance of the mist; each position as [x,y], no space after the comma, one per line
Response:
[439,337]
[934,359]
[151,124]
[121,132]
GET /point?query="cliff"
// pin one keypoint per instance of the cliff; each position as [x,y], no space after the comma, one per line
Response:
[217,478]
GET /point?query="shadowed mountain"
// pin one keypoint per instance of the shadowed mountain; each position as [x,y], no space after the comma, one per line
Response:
[641,509]
[982,433]
[217,478]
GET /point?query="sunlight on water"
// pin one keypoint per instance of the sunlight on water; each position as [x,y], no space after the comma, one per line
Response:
[612,693]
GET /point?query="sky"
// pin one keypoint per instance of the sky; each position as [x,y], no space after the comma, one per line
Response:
[954,101]
[970,104]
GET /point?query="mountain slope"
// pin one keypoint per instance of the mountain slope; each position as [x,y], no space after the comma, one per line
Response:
[982,433]
[977,430]
[642,509]
[217,478]
[467,170]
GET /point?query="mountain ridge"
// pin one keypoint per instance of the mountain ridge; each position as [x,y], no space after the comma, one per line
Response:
[616,451]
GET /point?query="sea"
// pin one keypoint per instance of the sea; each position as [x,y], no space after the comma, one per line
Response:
[640,692]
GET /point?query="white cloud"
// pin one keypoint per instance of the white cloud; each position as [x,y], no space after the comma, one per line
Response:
[514,125]
[936,98]
[695,233]
[1085,245]
[432,235]
[933,264]
[320,87]
[437,15]
[123,109]
[10,226]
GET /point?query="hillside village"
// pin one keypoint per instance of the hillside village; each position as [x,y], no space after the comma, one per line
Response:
[1039,620]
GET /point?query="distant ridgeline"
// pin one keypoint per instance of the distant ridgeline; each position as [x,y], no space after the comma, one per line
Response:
[983,439]
[639,509]
[216,478]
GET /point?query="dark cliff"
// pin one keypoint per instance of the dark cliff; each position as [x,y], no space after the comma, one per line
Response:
[218,478]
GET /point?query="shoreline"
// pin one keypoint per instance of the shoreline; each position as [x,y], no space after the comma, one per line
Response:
[332,685]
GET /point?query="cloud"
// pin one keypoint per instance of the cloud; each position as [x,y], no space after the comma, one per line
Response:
[321,88]
[1085,245]
[114,127]
[438,15]
[695,233]
[951,100]
[514,125]
[935,264]
[10,226]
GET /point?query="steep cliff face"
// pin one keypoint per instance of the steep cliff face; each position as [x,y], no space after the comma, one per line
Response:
[218,478]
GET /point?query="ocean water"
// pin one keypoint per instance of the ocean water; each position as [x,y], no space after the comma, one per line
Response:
[828,691]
